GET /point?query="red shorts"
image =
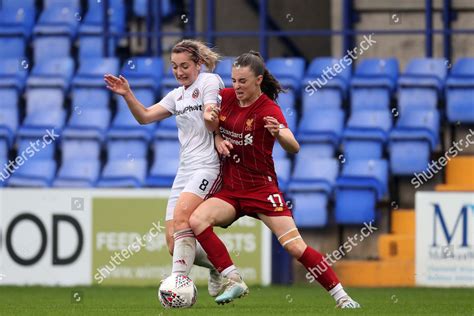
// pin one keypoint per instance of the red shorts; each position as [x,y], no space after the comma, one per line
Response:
[267,200]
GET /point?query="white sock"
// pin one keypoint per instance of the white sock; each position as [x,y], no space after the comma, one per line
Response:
[201,258]
[338,292]
[184,251]
[231,273]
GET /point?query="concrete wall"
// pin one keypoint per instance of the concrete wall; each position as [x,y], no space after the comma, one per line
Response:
[406,15]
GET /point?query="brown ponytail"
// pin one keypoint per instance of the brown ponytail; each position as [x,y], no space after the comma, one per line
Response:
[270,86]
[200,53]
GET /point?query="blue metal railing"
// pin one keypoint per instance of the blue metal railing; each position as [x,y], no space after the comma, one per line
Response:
[347,32]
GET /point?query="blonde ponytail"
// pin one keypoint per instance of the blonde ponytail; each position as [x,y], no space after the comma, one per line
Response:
[200,53]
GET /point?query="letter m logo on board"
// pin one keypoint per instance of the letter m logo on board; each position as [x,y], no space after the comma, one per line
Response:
[460,226]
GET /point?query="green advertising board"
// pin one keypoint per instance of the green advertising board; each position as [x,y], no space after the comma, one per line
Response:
[129,244]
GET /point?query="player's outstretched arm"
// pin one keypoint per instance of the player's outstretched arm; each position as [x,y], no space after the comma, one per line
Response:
[283,134]
[142,114]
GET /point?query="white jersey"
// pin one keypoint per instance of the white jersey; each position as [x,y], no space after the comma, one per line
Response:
[197,143]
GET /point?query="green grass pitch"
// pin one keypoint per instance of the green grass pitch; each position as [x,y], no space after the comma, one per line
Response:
[274,300]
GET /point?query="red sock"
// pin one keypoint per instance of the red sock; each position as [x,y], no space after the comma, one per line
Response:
[215,249]
[314,262]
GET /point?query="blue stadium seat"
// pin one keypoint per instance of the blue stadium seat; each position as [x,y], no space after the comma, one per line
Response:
[42,48]
[126,164]
[314,174]
[125,126]
[361,184]
[96,98]
[12,74]
[460,92]
[93,20]
[52,3]
[317,150]
[8,124]
[373,84]
[322,99]
[38,167]
[80,164]
[422,84]
[318,76]
[88,123]
[376,72]
[140,8]
[143,72]
[26,4]
[366,134]
[287,99]
[321,126]
[278,152]
[59,17]
[44,110]
[311,187]
[224,70]
[168,83]
[9,97]
[92,46]
[55,72]
[283,171]
[424,72]
[12,47]
[17,18]
[288,71]
[3,162]
[165,163]
[310,209]
[413,139]
[287,103]
[91,71]
[167,129]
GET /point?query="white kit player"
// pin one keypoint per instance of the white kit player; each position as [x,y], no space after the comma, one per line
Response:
[198,172]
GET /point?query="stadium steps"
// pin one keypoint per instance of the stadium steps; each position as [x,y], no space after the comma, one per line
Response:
[376,273]
[396,264]
[459,174]
[403,222]
[395,247]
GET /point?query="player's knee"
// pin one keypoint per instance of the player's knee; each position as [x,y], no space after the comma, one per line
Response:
[296,248]
[198,221]
[181,223]
[194,221]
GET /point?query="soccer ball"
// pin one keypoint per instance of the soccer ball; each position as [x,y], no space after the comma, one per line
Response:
[177,291]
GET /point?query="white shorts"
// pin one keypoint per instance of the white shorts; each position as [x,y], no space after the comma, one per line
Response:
[201,182]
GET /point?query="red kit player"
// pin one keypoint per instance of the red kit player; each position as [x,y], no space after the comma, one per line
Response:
[249,121]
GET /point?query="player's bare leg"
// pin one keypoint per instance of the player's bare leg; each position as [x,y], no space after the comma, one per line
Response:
[284,228]
[186,251]
[216,212]
[169,235]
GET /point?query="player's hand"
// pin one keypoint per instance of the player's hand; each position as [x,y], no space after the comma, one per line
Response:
[223,146]
[211,114]
[117,85]
[272,125]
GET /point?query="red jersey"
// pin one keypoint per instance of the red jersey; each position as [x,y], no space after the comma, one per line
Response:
[250,163]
